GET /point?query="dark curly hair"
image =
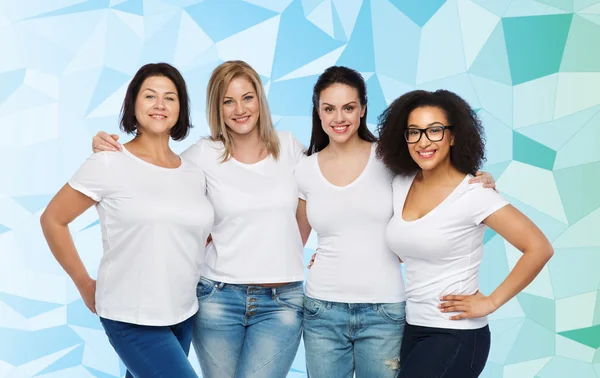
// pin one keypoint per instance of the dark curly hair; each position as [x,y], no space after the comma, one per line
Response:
[468,152]
[337,75]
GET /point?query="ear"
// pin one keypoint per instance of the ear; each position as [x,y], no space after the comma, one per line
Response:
[451,139]
[363,110]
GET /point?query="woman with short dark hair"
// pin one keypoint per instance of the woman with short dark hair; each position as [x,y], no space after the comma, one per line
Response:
[154,217]
[433,141]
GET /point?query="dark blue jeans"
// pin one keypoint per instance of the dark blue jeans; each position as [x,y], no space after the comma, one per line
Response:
[443,353]
[152,351]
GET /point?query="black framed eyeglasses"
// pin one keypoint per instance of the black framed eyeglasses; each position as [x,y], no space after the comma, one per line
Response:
[433,133]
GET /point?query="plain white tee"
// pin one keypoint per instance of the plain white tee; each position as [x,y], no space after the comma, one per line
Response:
[154,224]
[442,251]
[353,263]
[255,235]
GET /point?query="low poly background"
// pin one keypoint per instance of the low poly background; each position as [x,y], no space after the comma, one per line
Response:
[531,68]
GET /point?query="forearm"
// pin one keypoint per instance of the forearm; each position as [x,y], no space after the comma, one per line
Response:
[527,268]
[62,247]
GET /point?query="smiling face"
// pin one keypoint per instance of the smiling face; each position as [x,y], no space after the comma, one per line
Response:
[340,112]
[240,106]
[427,154]
[157,106]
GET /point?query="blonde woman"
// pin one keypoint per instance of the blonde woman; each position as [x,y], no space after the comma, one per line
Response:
[250,295]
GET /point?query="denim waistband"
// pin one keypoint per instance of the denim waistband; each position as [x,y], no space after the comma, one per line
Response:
[257,289]
[330,304]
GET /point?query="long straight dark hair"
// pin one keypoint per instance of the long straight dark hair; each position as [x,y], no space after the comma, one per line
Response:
[337,75]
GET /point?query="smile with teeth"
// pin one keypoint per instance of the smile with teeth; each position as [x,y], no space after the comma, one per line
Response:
[426,154]
[340,129]
[241,119]
[158,116]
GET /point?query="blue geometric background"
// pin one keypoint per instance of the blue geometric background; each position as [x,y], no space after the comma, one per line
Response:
[531,68]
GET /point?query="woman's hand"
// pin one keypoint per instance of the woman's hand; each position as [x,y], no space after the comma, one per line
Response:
[484,178]
[469,306]
[104,142]
[87,290]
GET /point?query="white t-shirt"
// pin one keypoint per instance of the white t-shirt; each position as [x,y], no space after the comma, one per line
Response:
[154,224]
[442,250]
[255,235]
[353,263]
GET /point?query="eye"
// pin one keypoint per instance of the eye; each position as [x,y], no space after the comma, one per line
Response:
[328,109]
[149,96]
[227,102]
[435,130]
[413,131]
[171,98]
[349,108]
[248,98]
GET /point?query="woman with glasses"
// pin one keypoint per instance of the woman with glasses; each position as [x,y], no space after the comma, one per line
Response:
[433,142]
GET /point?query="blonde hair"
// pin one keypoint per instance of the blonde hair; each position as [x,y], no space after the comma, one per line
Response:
[217,86]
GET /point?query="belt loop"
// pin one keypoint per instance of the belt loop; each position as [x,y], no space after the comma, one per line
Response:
[375,306]
[220,286]
[329,305]
[273,292]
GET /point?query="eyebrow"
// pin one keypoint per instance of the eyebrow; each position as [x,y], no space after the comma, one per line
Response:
[431,124]
[245,94]
[152,90]
[327,104]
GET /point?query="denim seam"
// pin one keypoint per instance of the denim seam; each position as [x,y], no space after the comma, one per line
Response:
[144,358]
[288,306]
[208,296]
[204,350]
[281,353]
[452,360]
[397,322]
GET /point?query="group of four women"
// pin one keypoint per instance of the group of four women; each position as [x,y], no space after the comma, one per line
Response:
[256,194]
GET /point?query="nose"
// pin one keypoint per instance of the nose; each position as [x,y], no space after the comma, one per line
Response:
[424,141]
[159,103]
[339,116]
[240,108]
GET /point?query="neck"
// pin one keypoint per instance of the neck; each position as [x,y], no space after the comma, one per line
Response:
[349,147]
[153,145]
[247,143]
[444,173]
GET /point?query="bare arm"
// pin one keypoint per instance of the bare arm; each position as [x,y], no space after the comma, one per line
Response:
[519,231]
[67,205]
[302,219]
[105,142]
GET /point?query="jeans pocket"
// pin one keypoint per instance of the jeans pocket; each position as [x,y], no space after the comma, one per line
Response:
[205,289]
[313,308]
[292,299]
[394,313]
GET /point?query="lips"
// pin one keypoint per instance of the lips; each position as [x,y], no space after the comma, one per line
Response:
[426,154]
[241,119]
[158,116]
[340,129]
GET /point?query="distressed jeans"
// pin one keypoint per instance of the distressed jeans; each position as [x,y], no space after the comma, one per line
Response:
[342,340]
[245,331]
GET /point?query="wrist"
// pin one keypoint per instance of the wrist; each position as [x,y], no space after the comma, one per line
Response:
[81,280]
[495,302]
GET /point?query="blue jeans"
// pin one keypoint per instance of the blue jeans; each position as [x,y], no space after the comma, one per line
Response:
[245,331]
[459,353]
[346,339]
[152,351]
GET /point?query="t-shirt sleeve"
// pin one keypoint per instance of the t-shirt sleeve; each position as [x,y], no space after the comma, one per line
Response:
[298,149]
[483,202]
[94,178]
[300,179]
[193,153]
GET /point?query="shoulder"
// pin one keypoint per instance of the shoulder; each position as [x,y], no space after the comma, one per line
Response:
[403,181]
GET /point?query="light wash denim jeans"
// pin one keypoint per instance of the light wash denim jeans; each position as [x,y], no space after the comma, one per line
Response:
[152,351]
[343,340]
[245,331]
